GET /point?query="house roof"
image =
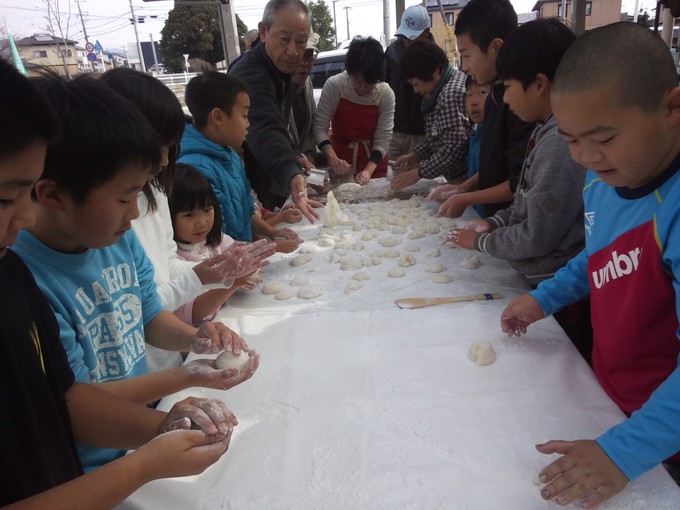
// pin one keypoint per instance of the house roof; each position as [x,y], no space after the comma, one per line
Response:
[433,5]
[43,40]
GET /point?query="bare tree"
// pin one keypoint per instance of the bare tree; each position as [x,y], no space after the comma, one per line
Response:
[58,24]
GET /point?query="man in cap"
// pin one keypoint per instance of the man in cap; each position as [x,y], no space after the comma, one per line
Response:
[409,129]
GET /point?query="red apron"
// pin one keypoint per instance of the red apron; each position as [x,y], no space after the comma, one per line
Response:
[352,130]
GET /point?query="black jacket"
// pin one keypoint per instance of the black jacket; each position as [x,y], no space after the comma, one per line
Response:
[407,116]
[269,152]
[503,146]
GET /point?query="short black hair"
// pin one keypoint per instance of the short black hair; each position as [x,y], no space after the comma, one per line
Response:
[537,47]
[485,20]
[365,57]
[161,108]
[626,57]
[421,60]
[210,90]
[101,133]
[26,116]
[191,190]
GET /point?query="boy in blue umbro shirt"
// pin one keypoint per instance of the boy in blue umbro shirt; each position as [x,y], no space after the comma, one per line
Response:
[617,103]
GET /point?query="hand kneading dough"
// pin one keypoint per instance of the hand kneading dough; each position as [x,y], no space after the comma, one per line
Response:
[396,272]
[482,353]
[229,360]
[471,262]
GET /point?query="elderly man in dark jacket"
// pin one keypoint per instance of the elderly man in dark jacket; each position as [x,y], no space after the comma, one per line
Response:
[269,152]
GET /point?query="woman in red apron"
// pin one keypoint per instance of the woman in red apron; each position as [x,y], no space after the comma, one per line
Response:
[359,109]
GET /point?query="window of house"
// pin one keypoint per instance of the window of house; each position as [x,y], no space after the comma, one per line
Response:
[66,53]
[40,54]
[559,11]
[449,18]
[589,8]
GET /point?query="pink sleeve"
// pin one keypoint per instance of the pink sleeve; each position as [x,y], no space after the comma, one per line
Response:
[184,312]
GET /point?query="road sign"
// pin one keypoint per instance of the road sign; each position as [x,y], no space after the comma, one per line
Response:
[89,47]
[91,57]
[98,47]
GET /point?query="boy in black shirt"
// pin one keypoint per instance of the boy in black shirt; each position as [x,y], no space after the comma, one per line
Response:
[480,29]
[44,409]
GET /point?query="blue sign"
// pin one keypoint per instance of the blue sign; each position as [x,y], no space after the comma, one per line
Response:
[91,57]
[98,47]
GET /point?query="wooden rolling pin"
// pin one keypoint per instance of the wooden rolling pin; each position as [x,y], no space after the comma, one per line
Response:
[416,302]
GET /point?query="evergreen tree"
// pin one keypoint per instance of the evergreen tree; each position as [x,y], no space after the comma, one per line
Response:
[322,24]
[194,30]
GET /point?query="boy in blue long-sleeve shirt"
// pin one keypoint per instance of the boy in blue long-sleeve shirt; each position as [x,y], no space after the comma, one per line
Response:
[617,103]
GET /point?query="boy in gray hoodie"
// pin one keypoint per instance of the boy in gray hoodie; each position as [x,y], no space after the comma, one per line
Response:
[543,228]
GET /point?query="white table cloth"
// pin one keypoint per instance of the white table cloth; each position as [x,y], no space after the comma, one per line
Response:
[360,405]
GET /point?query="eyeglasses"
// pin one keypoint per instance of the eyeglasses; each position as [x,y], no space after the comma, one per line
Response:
[309,55]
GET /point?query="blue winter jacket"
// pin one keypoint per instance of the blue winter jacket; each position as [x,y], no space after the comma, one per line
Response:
[223,168]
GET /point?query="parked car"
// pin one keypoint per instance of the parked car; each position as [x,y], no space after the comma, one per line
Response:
[327,64]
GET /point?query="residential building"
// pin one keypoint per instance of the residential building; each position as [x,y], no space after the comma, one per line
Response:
[41,51]
[598,12]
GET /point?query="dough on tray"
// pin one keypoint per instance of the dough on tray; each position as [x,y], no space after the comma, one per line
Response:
[396,272]
[435,268]
[350,264]
[309,292]
[482,353]
[272,287]
[301,260]
[285,294]
[441,278]
[471,262]
[387,242]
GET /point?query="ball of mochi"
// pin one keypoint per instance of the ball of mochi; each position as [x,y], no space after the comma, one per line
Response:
[285,294]
[482,353]
[396,272]
[350,264]
[299,281]
[230,360]
[406,259]
[361,276]
[441,278]
[388,242]
[391,253]
[471,262]
[433,253]
[301,260]
[309,292]
[326,242]
[352,287]
[272,288]
[435,268]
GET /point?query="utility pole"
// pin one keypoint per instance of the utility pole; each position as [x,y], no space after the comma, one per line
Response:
[335,24]
[153,49]
[386,21]
[80,13]
[139,45]
[347,8]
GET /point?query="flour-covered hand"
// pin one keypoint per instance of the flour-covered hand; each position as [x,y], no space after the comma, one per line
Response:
[214,337]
